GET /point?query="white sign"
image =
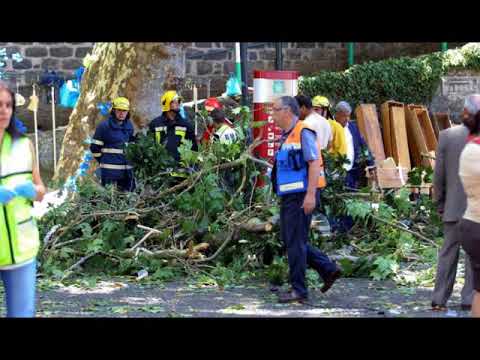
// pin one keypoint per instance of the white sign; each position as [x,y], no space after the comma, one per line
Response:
[459,86]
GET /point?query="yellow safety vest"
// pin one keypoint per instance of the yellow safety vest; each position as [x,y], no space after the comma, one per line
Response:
[226,135]
[19,237]
[339,142]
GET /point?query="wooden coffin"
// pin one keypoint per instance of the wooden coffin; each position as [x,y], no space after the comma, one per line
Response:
[369,127]
[417,140]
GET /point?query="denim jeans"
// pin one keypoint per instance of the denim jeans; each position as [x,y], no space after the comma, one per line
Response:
[19,286]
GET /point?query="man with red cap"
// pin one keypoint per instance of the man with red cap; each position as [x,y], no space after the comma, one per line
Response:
[212,104]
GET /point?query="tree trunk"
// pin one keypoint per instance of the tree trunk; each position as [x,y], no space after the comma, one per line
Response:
[139,71]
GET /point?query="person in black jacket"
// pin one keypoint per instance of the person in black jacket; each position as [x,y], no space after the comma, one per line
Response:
[170,129]
[108,144]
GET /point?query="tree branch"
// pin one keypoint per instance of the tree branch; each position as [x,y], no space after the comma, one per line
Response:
[420,236]
[220,249]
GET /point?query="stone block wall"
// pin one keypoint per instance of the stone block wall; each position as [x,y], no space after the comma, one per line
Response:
[38,56]
[207,60]
[64,58]
[305,57]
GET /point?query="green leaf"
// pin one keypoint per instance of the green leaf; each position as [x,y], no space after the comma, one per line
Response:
[385,267]
[358,209]
[86,230]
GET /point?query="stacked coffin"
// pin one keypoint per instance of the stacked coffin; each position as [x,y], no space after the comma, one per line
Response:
[406,138]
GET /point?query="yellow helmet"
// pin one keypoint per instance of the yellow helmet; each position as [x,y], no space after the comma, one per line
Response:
[121,103]
[167,99]
[320,101]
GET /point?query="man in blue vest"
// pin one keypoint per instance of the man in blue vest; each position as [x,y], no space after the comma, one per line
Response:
[356,146]
[297,177]
[108,145]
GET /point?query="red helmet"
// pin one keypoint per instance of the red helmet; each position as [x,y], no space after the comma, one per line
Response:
[212,103]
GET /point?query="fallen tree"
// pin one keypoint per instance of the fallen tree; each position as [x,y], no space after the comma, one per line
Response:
[217,217]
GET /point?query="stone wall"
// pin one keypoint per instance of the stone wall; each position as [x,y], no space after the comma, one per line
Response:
[61,57]
[64,58]
[307,58]
[45,150]
[206,60]
[452,91]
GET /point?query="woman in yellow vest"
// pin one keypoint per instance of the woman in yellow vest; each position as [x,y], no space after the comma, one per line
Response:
[339,143]
[20,185]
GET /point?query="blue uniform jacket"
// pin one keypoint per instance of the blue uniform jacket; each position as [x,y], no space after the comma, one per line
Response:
[108,146]
[358,144]
[309,149]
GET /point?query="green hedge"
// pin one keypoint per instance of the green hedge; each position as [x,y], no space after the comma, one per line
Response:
[405,79]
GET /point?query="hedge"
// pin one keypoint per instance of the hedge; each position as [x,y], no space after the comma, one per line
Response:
[404,79]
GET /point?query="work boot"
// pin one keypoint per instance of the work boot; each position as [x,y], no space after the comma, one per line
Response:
[328,282]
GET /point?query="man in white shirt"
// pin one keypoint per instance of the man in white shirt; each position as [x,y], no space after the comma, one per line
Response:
[319,123]
[350,148]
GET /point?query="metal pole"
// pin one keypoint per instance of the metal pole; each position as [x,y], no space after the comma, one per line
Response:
[54,132]
[279,56]
[244,61]
[351,55]
[35,123]
[444,46]
[238,65]
[195,104]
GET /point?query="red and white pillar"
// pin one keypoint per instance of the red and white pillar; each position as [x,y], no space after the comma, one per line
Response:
[268,86]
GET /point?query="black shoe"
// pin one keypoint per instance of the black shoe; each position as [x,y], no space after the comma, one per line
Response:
[290,297]
[328,282]
[466,307]
[438,307]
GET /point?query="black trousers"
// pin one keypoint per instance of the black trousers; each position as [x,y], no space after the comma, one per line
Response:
[123,184]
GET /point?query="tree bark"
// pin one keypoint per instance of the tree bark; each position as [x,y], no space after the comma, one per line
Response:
[139,71]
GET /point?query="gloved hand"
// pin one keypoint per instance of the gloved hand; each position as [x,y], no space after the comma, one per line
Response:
[6,195]
[26,190]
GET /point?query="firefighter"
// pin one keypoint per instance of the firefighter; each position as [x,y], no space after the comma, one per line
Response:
[170,129]
[108,145]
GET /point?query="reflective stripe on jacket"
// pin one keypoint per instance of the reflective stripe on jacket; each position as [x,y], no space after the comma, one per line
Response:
[172,133]
[108,144]
[19,237]
[291,170]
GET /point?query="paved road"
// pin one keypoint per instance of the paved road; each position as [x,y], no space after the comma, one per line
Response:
[125,297]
